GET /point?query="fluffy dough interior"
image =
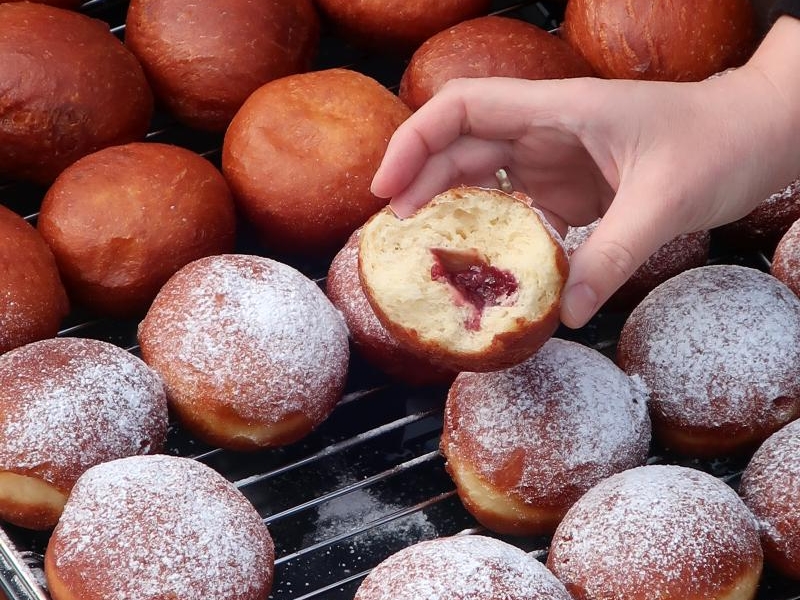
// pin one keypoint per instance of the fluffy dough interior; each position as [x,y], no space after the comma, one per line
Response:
[507,233]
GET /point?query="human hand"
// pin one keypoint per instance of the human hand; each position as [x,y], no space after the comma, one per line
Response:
[654,159]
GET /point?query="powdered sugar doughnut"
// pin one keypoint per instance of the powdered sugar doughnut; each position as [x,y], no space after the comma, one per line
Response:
[770,487]
[461,568]
[658,532]
[369,336]
[67,404]
[252,352]
[786,260]
[685,252]
[525,443]
[717,346]
[158,527]
[768,221]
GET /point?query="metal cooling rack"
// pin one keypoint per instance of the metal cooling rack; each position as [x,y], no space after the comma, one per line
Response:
[370,480]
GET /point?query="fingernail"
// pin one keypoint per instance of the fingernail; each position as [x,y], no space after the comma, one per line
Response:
[578,305]
[401,212]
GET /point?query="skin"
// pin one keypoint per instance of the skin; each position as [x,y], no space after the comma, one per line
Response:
[655,159]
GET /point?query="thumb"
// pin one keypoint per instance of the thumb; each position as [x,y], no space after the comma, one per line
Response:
[622,242]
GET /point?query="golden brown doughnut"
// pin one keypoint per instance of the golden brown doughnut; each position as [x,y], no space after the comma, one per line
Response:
[67,404]
[32,300]
[472,281]
[301,153]
[488,46]
[658,532]
[60,4]
[203,60]
[251,351]
[73,90]
[158,527]
[523,444]
[122,220]
[670,40]
[396,25]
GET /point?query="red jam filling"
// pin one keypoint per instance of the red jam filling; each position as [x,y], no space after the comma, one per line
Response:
[475,283]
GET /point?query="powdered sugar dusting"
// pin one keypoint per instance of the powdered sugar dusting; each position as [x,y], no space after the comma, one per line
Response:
[785,199]
[655,532]
[70,403]
[685,251]
[461,568]
[162,527]
[786,261]
[571,413]
[349,512]
[771,217]
[771,488]
[716,346]
[259,333]
[355,307]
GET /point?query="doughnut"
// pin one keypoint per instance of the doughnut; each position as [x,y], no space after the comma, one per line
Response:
[203,62]
[396,26]
[369,337]
[472,281]
[488,46]
[61,4]
[786,260]
[317,139]
[770,488]
[158,527]
[674,40]
[462,567]
[121,221]
[523,444]
[252,353]
[32,298]
[69,88]
[67,404]
[717,347]
[767,222]
[685,252]
[658,532]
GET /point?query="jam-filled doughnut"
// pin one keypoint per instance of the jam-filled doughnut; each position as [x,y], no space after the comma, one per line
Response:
[368,335]
[658,532]
[523,444]
[770,487]
[685,252]
[717,346]
[158,527]
[67,404]
[461,567]
[471,281]
[251,351]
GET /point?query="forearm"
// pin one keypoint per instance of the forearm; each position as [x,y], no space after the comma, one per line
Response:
[778,60]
